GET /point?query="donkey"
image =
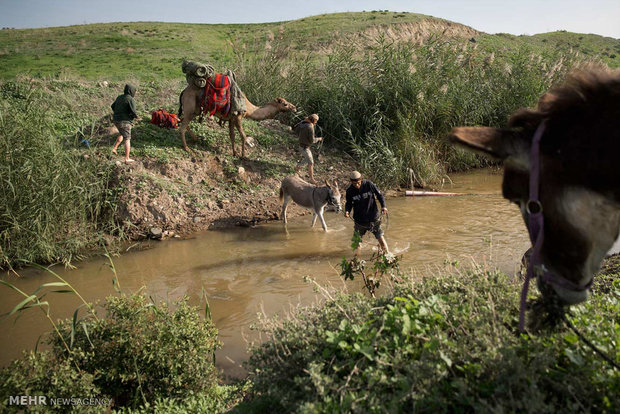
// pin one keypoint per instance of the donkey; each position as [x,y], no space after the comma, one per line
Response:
[309,196]
[561,169]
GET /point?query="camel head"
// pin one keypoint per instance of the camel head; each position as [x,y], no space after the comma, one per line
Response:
[283,105]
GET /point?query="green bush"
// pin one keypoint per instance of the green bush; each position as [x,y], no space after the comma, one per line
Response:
[43,374]
[446,344]
[143,351]
[218,399]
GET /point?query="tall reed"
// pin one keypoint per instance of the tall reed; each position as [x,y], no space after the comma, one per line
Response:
[52,199]
[391,104]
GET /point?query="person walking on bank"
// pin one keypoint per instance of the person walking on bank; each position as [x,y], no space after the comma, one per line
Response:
[360,198]
[305,131]
[124,108]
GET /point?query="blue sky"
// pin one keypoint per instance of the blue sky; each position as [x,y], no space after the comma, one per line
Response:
[492,16]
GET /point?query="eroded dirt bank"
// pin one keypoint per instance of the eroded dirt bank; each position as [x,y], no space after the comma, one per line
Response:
[209,188]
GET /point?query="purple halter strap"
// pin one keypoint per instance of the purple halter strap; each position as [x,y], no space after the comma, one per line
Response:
[536,230]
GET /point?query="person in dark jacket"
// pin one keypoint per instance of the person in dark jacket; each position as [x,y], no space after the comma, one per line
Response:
[360,198]
[124,108]
[305,131]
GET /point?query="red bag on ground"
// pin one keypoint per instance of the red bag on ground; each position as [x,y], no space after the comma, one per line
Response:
[164,119]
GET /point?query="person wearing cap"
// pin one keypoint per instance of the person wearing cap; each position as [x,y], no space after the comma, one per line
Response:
[305,131]
[361,197]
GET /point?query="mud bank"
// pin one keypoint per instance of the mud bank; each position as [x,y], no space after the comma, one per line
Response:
[176,196]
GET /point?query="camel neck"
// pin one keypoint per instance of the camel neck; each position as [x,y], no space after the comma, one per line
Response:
[259,113]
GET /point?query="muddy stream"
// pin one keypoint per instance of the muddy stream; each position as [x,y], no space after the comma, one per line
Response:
[250,270]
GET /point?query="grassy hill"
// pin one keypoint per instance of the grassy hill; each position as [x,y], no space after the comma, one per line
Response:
[152,51]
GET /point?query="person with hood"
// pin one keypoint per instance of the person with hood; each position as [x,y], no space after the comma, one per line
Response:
[305,131]
[124,108]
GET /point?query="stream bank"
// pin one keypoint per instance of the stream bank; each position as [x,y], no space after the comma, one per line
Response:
[175,195]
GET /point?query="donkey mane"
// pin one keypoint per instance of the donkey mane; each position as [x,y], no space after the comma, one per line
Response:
[585,94]
[583,130]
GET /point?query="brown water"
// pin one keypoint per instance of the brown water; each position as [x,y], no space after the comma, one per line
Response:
[250,270]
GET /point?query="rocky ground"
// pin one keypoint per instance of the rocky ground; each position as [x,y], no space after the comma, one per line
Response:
[167,194]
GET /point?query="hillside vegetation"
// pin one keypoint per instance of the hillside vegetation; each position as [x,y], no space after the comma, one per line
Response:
[153,51]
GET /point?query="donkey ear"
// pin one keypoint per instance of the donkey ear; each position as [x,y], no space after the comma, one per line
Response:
[327,184]
[492,142]
[335,183]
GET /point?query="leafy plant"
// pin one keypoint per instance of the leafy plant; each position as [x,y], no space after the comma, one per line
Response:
[382,264]
[444,344]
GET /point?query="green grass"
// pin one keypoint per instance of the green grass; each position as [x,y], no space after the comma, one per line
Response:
[46,166]
[591,46]
[55,202]
[154,51]
[391,105]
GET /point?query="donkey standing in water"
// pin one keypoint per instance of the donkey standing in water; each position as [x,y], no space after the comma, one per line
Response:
[561,169]
[309,196]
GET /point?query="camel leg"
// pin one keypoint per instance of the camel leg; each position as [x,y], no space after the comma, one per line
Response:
[192,134]
[185,127]
[243,136]
[285,202]
[231,133]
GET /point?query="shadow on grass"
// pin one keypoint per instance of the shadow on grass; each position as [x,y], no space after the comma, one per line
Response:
[269,168]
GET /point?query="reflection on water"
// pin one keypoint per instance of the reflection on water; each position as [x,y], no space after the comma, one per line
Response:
[248,270]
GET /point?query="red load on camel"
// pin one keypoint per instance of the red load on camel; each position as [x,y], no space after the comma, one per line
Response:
[216,95]
[164,119]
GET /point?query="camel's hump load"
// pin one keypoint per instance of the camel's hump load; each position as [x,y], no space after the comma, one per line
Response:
[196,73]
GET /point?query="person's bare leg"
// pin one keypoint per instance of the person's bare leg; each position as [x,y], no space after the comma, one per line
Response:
[383,245]
[127,151]
[311,174]
[116,144]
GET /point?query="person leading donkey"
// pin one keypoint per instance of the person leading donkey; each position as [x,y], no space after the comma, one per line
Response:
[360,197]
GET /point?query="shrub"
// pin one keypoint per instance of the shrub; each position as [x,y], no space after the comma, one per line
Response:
[445,344]
[46,375]
[143,351]
[218,399]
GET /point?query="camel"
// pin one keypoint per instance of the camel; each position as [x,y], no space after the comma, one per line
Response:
[190,106]
[561,169]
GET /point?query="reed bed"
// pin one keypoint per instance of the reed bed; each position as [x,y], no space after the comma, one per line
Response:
[52,199]
[391,104]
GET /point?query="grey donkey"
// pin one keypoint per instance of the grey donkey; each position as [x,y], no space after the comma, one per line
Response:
[309,196]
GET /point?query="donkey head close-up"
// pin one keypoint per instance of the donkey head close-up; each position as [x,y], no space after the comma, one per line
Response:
[333,196]
[561,170]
